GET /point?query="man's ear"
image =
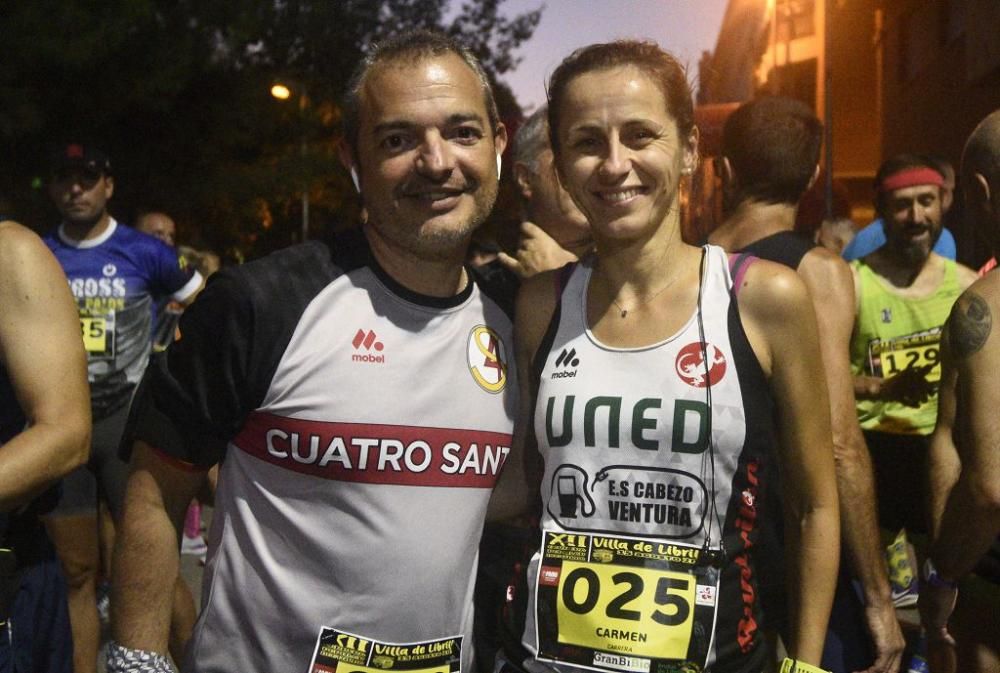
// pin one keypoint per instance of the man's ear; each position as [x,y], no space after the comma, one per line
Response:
[726,173]
[814,178]
[346,155]
[500,138]
[977,192]
[109,186]
[522,174]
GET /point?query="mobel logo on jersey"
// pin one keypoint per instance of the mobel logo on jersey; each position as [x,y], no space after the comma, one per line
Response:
[368,348]
[567,362]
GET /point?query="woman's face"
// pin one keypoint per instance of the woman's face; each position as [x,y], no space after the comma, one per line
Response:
[621,156]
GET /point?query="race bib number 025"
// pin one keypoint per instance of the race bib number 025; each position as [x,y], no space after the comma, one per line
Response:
[623,603]
[343,652]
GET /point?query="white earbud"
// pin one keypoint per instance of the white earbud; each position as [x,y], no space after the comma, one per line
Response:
[355,180]
[499,165]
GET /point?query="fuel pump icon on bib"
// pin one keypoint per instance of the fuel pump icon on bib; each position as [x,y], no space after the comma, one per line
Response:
[569,486]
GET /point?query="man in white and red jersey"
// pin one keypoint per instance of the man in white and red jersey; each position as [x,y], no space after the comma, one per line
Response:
[361,395]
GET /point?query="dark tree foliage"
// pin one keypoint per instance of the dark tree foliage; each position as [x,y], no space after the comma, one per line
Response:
[177,92]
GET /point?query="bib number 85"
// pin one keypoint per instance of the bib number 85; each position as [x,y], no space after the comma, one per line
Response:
[94,332]
[601,606]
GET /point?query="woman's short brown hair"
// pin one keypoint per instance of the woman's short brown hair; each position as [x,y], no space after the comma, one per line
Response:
[660,66]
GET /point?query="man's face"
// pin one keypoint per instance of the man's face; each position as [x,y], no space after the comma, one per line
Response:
[912,217]
[158,225]
[427,154]
[81,194]
[550,205]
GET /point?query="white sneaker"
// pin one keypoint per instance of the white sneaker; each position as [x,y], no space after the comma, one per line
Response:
[193,546]
[104,604]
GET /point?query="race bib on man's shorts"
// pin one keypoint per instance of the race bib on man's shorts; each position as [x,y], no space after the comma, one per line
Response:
[342,652]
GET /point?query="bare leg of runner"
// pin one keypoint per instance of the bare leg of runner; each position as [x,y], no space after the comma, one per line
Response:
[75,539]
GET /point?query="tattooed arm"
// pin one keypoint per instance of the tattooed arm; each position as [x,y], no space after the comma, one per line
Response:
[970,519]
[964,456]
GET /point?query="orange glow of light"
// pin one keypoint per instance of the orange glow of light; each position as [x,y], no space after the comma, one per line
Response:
[281,92]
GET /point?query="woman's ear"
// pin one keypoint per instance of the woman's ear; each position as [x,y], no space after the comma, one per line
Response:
[691,151]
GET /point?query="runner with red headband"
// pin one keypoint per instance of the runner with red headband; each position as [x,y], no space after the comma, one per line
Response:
[872,237]
[915,176]
[903,294]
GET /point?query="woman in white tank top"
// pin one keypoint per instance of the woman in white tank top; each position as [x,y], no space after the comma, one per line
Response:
[653,461]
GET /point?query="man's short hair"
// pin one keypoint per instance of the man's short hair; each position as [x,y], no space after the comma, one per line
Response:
[941,165]
[897,165]
[532,138]
[773,145]
[406,49]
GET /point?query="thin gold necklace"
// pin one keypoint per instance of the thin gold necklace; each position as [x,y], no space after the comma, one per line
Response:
[624,311]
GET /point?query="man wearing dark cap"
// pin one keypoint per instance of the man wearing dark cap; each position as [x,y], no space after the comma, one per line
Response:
[114,273]
[903,294]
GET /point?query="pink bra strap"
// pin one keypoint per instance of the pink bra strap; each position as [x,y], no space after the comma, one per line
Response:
[739,262]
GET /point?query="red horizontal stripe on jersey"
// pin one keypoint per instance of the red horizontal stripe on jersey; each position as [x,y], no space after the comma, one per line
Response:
[375,453]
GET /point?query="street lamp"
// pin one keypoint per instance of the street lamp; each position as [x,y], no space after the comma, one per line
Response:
[280,91]
[283,92]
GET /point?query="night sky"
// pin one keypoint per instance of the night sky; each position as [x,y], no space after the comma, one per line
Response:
[684,27]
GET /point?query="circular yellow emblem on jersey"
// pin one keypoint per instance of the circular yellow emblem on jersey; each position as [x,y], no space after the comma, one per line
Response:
[487,359]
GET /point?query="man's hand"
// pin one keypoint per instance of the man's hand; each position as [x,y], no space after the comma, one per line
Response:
[909,387]
[536,252]
[887,638]
[936,605]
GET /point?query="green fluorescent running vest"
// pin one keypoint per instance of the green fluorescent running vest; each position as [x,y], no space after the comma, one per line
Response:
[893,333]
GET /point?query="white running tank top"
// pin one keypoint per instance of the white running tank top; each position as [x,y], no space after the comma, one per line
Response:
[629,503]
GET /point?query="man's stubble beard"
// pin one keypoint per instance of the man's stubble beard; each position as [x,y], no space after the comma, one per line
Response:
[914,255]
[440,244]
[85,222]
